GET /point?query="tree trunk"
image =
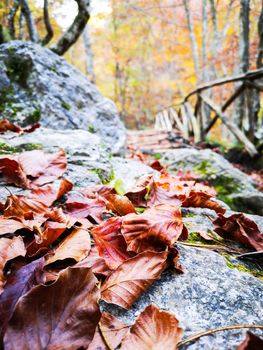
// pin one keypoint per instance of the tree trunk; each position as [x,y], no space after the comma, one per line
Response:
[243,55]
[89,54]
[74,31]
[29,20]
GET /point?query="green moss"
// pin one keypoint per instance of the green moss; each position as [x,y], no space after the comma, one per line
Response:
[102,175]
[91,129]
[242,266]
[34,117]
[65,105]
[5,149]
[157,156]
[18,70]
[189,215]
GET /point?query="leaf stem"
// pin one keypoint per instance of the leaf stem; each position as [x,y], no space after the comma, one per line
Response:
[103,335]
[220,329]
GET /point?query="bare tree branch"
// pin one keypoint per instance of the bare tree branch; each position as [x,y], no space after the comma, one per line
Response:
[29,20]
[48,25]
[75,30]
[11,18]
[21,26]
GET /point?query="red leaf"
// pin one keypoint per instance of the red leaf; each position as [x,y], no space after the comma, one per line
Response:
[20,206]
[82,207]
[138,192]
[153,329]
[120,205]
[239,228]
[63,315]
[9,249]
[202,200]
[75,246]
[17,285]
[12,172]
[159,225]
[252,342]
[113,330]
[6,125]
[110,243]
[49,194]
[126,284]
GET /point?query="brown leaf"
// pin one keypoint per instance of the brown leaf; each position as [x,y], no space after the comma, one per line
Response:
[95,262]
[153,329]
[239,228]
[202,200]
[12,172]
[11,225]
[48,194]
[138,192]
[6,125]
[161,195]
[132,278]
[75,246]
[251,342]
[43,167]
[157,226]
[9,249]
[20,206]
[17,285]
[80,206]
[63,315]
[110,243]
[113,330]
[119,205]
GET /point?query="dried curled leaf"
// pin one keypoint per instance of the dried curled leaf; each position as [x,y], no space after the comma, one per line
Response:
[6,125]
[9,249]
[157,226]
[63,315]
[113,330]
[202,200]
[138,192]
[75,246]
[251,342]
[49,194]
[239,228]
[132,278]
[110,243]
[21,206]
[153,329]
[119,205]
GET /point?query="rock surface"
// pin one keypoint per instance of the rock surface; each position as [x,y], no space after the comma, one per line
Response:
[208,295]
[36,84]
[233,186]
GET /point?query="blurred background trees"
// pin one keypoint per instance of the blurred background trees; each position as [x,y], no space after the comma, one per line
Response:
[147,54]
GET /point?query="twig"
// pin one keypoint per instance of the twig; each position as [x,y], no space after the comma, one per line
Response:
[220,329]
[209,246]
[103,335]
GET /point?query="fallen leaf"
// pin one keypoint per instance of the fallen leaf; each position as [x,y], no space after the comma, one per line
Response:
[202,200]
[17,285]
[110,243]
[239,228]
[11,225]
[63,315]
[156,226]
[6,125]
[49,194]
[153,329]
[12,172]
[9,249]
[113,330]
[138,192]
[119,205]
[19,206]
[251,342]
[75,246]
[126,284]
[80,206]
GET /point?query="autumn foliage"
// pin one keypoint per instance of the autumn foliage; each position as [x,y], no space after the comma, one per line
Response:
[61,251]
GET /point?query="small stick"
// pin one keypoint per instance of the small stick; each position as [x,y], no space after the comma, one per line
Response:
[220,329]
[103,335]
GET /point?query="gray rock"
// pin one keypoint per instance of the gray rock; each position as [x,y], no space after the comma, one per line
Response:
[208,295]
[37,84]
[234,187]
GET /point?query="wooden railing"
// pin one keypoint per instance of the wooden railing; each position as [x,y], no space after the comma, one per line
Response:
[189,119]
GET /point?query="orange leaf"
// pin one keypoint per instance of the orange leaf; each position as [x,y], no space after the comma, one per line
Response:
[126,284]
[153,329]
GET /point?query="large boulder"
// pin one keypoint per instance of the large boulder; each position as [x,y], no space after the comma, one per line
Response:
[36,84]
[234,187]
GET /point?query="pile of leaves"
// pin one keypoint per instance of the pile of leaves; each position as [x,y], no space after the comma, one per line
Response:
[62,250]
